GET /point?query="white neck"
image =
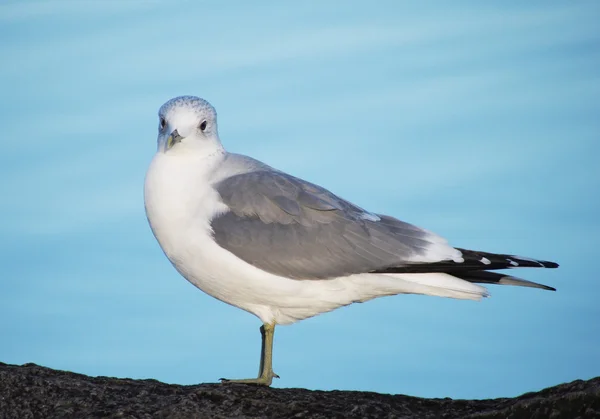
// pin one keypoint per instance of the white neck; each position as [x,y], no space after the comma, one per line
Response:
[178,194]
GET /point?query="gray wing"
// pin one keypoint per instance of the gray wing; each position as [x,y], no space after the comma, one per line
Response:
[293,228]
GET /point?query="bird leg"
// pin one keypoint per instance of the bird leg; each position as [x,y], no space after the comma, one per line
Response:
[265,372]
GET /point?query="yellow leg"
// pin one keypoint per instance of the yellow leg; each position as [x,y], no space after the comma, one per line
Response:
[265,372]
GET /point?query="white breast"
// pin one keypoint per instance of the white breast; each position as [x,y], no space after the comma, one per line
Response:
[179,203]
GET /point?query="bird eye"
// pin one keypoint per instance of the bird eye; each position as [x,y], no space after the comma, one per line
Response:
[163,123]
[203,126]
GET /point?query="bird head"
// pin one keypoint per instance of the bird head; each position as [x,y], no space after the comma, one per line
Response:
[187,124]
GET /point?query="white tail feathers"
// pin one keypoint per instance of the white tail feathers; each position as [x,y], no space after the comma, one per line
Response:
[439,285]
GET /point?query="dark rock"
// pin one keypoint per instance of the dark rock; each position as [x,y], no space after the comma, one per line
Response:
[31,391]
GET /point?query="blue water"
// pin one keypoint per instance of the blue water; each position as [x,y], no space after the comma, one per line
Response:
[477,121]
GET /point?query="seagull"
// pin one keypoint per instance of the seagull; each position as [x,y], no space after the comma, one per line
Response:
[285,249]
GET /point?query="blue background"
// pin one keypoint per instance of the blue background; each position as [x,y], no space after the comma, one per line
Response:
[477,120]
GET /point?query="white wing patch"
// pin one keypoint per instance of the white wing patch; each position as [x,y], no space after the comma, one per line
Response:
[512,262]
[370,217]
[438,251]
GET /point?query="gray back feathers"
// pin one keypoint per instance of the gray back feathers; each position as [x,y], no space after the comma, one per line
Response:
[296,229]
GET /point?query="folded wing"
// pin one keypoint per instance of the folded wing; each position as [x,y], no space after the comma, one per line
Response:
[293,228]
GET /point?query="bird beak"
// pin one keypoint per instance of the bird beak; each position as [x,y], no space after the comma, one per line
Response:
[173,139]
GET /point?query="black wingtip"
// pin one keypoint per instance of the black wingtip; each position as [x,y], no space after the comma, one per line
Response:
[523,262]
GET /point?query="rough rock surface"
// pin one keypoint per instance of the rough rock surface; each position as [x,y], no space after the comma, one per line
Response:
[31,391]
